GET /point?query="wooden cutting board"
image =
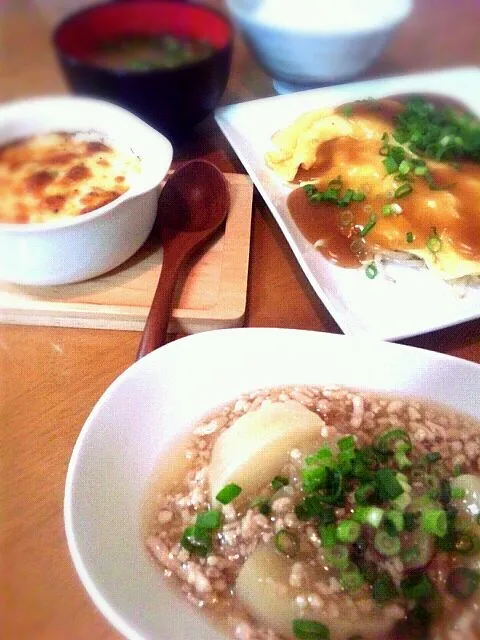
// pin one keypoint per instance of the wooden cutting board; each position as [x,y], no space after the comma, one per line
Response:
[211,293]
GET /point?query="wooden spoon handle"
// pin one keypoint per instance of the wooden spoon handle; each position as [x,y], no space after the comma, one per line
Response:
[155,331]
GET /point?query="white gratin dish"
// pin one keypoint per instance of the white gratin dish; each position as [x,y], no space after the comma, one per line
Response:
[83,247]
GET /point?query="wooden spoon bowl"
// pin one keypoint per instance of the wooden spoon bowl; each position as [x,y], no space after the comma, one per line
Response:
[192,206]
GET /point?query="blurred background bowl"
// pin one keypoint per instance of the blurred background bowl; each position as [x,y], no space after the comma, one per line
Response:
[307,43]
[171,100]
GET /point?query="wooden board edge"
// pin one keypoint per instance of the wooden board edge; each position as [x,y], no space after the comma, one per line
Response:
[228,312]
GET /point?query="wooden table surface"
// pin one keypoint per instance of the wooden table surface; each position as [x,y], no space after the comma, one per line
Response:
[51,377]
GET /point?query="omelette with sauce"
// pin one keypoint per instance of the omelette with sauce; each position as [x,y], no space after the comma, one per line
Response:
[60,175]
[386,179]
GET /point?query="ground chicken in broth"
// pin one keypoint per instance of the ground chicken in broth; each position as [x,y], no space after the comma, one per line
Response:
[307,512]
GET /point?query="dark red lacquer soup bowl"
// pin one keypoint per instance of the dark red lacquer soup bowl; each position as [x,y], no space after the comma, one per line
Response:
[166,61]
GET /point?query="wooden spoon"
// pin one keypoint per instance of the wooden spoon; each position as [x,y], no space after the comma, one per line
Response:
[193,204]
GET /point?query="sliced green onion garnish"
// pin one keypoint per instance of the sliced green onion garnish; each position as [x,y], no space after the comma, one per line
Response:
[434,243]
[358,196]
[416,586]
[386,544]
[397,518]
[388,442]
[421,170]
[434,521]
[197,541]
[345,461]
[390,528]
[400,455]
[365,493]
[287,543]
[278,482]
[332,194]
[383,589]
[432,457]
[464,543]
[366,460]
[387,484]
[346,198]
[314,478]
[462,582]
[403,190]
[402,501]
[410,554]
[228,493]
[333,487]
[409,237]
[347,443]
[209,519]
[457,470]
[457,493]
[313,505]
[337,556]
[371,270]
[372,221]
[310,630]
[262,504]
[350,196]
[323,456]
[351,579]
[403,480]
[405,167]
[397,153]
[347,110]
[328,534]
[372,516]
[390,165]
[440,133]
[348,531]
[447,542]
[327,515]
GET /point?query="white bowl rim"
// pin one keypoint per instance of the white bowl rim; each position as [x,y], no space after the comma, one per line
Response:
[403,9]
[130,194]
[116,619]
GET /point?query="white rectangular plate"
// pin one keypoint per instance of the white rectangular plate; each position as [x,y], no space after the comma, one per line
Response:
[408,300]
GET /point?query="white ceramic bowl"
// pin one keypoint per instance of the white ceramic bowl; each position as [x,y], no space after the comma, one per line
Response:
[73,249]
[309,42]
[157,400]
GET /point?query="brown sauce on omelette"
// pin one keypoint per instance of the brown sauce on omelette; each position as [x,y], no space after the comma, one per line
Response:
[449,212]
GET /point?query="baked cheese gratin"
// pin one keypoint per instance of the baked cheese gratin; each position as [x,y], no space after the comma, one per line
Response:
[61,175]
